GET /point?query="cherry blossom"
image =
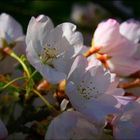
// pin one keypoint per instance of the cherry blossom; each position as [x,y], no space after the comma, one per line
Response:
[10,30]
[114,50]
[52,50]
[11,35]
[90,90]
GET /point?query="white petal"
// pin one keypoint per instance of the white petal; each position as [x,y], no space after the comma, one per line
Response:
[38,30]
[71,125]
[94,110]
[52,75]
[100,78]
[64,63]
[11,28]
[93,61]
[64,37]
[75,98]
[78,69]
[61,127]
[46,71]
[32,54]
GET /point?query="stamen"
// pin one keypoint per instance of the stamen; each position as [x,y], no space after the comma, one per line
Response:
[88,91]
[48,55]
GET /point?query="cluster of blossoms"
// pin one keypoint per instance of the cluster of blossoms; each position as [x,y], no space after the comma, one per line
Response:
[96,80]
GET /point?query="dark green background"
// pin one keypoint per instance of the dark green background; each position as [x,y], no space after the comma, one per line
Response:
[59,10]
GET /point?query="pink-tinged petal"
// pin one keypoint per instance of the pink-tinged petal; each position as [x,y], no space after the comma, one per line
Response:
[3,131]
[107,37]
[131,30]
[107,34]
[71,125]
[123,66]
[124,48]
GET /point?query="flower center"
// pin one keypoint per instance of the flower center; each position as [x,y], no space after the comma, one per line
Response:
[88,90]
[48,55]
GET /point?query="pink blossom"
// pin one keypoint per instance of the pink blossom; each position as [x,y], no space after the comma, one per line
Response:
[119,50]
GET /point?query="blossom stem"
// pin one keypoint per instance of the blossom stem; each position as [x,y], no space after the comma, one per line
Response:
[131,84]
[13,55]
[103,58]
[50,107]
[11,82]
[91,51]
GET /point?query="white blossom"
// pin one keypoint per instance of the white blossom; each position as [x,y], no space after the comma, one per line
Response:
[90,90]
[52,50]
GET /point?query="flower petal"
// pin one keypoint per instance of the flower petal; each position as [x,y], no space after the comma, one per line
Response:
[71,125]
[10,29]
[123,66]
[75,73]
[131,30]
[38,29]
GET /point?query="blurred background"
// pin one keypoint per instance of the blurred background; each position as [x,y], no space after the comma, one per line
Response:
[85,14]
